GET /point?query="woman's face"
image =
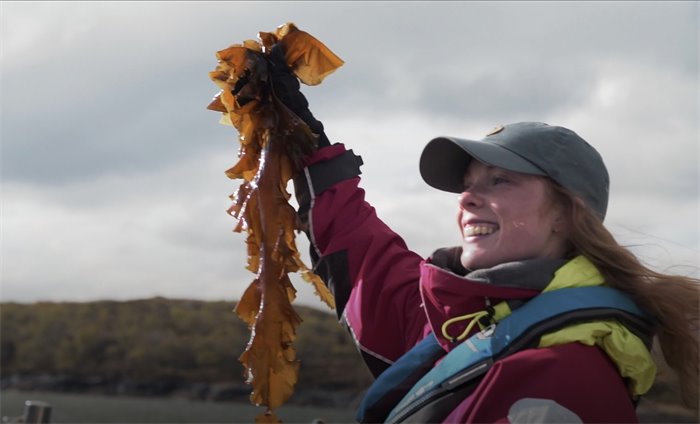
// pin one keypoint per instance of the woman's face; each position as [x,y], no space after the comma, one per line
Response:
[506,216]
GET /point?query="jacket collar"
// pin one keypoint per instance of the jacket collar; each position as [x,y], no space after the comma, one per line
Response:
[447,294]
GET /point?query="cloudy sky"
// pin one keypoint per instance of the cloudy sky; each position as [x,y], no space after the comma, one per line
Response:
[113,181]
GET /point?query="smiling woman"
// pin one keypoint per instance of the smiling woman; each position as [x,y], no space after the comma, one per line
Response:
[490,331]
[539,193]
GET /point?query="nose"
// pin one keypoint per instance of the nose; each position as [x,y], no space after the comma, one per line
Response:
[470,199]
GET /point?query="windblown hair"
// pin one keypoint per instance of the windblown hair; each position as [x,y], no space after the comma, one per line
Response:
[673,300]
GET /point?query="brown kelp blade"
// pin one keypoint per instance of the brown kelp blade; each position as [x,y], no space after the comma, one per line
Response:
[273,143]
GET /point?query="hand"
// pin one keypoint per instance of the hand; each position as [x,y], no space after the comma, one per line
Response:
[285,86]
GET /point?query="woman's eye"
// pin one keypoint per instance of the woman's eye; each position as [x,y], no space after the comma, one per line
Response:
[500,180]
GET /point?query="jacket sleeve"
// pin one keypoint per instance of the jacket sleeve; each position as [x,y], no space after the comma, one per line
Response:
[368,268]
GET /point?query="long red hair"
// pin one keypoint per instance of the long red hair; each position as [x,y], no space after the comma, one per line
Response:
[674,300]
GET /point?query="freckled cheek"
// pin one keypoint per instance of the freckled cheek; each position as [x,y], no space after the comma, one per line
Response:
[523,231]
[517,222]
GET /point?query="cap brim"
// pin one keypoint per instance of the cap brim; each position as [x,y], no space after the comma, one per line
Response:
[444,161]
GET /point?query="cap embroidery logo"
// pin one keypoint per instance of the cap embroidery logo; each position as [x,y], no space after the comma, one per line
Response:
[496,130]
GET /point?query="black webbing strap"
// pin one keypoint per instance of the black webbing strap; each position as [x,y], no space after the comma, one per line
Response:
[320,176]
[330,172]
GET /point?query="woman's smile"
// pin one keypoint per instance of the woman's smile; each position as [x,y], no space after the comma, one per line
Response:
[479,229]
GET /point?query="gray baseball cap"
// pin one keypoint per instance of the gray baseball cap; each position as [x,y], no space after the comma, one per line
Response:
[526,147]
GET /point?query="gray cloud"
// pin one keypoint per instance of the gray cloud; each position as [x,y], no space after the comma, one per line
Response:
[505,95]
[136,126]
[112,167]
[136,101]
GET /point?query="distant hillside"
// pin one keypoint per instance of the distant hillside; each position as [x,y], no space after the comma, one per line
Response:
[190,348]
[160,346]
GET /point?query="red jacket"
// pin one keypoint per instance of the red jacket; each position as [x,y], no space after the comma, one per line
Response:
[390,298]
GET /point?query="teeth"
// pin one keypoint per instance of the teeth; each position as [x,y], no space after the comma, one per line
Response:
[478,230]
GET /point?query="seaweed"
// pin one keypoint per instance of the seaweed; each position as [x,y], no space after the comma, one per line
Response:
[274,142]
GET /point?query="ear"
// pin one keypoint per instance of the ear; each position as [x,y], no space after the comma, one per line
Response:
[561,222]
[556,225]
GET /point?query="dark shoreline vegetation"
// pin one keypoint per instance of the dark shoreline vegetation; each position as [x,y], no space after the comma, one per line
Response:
[188,349]
[164,347]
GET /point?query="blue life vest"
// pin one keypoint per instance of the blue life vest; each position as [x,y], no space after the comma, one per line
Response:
[414,389]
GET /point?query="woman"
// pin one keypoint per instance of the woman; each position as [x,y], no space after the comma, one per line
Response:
[531,207]
[532,200]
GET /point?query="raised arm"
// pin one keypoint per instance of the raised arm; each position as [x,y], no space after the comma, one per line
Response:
[369,269]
